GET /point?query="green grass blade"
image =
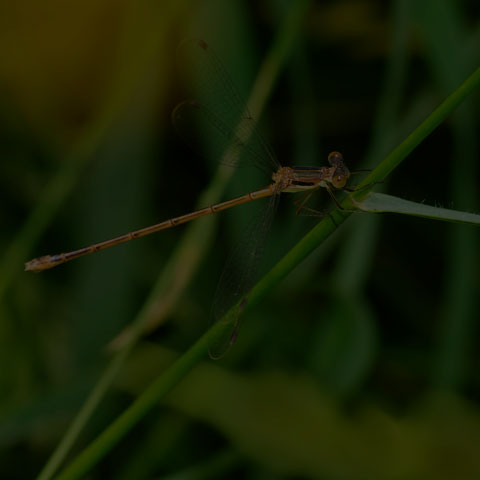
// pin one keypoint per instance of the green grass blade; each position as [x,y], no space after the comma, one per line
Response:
[381,203]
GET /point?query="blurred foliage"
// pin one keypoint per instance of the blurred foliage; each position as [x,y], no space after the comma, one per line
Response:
[363,363]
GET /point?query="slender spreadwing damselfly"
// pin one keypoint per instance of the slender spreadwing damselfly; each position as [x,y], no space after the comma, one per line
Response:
[239,143]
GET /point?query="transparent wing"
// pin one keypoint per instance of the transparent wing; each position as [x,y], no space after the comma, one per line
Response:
[220,112]
[219,123]
[239,276]
[202,130]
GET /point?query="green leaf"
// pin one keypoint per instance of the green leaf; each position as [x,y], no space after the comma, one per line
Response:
[381,203]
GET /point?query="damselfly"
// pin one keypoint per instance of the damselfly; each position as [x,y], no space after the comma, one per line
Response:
[239,142]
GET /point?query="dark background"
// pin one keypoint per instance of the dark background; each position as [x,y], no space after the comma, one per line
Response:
[363,363]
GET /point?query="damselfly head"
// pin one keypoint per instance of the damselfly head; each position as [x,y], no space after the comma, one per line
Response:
[341,173]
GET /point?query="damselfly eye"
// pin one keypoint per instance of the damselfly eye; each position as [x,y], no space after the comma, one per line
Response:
[339,180]
[335,159]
